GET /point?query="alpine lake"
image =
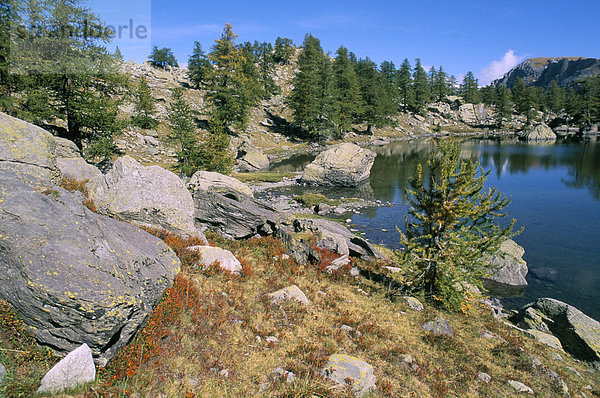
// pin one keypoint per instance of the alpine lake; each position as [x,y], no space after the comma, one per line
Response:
[555,193]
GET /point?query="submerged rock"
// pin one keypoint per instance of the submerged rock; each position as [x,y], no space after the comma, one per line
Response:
[540,132]
[341,165]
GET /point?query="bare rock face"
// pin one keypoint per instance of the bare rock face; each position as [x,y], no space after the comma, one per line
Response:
[73,370]
[341,165]
[146,196]
[75,276]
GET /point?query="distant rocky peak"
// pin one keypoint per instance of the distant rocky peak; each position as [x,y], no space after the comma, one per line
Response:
[541,71]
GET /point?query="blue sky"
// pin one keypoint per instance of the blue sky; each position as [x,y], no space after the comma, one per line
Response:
[486,37]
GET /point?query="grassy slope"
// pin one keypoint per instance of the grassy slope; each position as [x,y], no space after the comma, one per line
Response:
[210,322]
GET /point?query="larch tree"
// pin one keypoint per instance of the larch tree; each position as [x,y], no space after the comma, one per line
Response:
[346,91]
[405,85]
[420,87]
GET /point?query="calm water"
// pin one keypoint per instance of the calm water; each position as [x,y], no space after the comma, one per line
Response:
[555,190]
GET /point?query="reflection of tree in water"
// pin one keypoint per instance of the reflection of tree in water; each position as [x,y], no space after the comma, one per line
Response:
[584,169]
[396,163]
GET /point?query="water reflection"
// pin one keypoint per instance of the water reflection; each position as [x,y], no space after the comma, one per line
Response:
[397,162]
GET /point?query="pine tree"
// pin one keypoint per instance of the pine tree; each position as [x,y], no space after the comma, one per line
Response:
[347,97]
[283,51]
[377,103]
[229,90]
[504,106]
[440,87]
[144,106]
[66,73]
[266,70]
[311,97]
[405,85]
[421,87]
[388,72]
[182,132]
[198,66]
[162,57]
[118,55]
[451,229]
[555,97]
[523,99]
[469,89]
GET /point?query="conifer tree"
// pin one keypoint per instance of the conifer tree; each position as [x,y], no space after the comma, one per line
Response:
[182,132]
[377,103]
[469,89]
[144,106]
[198,66]
[405,85]
[283,51]
[311,97]
[118,55]
[555,97]
[387,71]
[67,73]
[421,88]
[451,229]
[523,99]
[504,106]
[230,92]
[266,68]
[347,96]
[440,87]
[162,57]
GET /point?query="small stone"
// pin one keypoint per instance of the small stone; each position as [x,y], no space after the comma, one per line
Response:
[439,327]
[413,303]
[406,358]
[73,370]
[553,374]
[348,221]
[556,356]
[355,271]
[225,259]
[520,387]
[224,373]
[536,363]
[575,371]
[348,370]
[272,339]
[289,293]
[347,328]
[564,388]
[484,377]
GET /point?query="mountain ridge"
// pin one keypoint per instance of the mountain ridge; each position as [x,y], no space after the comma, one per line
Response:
[541,71]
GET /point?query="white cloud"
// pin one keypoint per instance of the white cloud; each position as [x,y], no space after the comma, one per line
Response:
[498,68]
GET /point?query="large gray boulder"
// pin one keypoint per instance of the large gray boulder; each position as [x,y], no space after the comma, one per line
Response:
[578,333]
[75,369]
[540,132]
[217,182]
[348,370]
[27,150]
[341,165]
[250,159]
[210,255]
[76,168]
[233,214]
[75,276]
[508,269]
[146,196]
[466,113]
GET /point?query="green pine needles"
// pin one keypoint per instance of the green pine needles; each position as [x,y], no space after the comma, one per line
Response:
[452,228]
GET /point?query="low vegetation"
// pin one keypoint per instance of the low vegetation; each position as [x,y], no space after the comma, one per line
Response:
[212,335]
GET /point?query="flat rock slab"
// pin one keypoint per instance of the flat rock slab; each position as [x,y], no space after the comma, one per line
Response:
[439,327]
[413,303]
[289,293]
[217,182]
[348,370]
[225,259]
[73,370]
